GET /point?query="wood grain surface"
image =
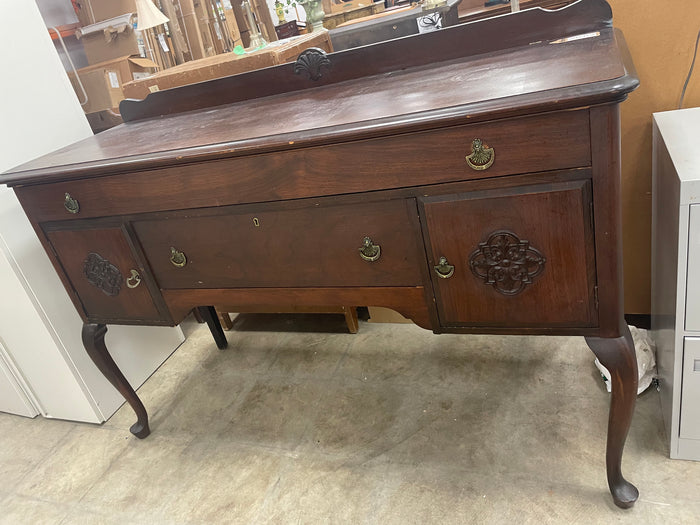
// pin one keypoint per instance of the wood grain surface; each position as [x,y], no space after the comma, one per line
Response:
[553,219]
[265,247]
[74,247]
[271,185]
[573,73]
[523,145]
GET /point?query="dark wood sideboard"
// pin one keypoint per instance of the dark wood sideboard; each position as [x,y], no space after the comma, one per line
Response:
[468,178]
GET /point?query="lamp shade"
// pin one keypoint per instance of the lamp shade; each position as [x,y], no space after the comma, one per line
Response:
[149,15]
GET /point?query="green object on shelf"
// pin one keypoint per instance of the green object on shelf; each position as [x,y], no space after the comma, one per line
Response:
[238,50]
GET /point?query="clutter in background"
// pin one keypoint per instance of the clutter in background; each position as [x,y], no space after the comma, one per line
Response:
[646,360]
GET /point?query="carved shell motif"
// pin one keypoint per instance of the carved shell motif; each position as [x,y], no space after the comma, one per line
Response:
[481,157]
[310,62]
[506,262]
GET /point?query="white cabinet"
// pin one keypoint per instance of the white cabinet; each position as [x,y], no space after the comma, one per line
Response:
[690,389]
[692,295]
[675,287]
[13,393]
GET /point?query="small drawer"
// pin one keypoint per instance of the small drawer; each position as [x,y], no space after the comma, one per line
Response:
[268,247]
[690,409]
[510,146]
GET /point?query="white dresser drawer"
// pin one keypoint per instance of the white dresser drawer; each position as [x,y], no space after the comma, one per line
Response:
[692,298]
[690,410]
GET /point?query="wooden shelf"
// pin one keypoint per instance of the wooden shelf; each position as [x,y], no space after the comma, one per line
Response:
[65,30]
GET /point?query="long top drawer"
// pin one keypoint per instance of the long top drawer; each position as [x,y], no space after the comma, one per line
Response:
[531,144]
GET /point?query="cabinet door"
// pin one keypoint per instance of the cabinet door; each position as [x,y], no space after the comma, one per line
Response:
[105,274]
[521,257]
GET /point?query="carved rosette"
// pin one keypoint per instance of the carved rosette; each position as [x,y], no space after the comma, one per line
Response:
[506,262]
[103,274]
[311,61]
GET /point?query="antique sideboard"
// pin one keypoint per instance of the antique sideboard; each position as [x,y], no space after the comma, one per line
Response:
[468,178]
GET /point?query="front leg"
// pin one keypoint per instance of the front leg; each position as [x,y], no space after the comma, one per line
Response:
[618,356]
[94,342]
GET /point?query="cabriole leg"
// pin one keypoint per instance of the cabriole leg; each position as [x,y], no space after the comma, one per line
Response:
[94,342]
[618,356]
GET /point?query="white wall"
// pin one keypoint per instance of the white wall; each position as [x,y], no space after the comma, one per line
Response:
[57,12]
[40,112]
[40,329]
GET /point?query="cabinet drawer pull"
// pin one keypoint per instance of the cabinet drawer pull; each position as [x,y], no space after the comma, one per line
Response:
[444,269]
[481,157]
[71,204]
[177,257]
[134,280]
[370,251]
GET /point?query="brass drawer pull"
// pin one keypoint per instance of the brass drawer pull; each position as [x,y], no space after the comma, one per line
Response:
[177,258]
[134,280]
[481,157]
[370,251]
[71,204]
[444,269]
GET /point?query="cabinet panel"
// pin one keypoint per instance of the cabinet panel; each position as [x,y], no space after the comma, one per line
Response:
[690,392]
[269,247]
[521,257]
[692,306]
[99,265]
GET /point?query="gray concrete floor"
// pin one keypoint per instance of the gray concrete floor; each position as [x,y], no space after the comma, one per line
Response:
[393,425]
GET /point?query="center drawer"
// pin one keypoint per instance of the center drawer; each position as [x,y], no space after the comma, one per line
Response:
[272,247]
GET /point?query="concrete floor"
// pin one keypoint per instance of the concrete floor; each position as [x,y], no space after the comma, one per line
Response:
[390,426]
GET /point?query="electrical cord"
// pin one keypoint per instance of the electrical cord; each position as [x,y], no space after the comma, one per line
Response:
[690,73]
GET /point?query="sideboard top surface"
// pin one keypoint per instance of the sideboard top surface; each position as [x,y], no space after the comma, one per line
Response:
[537,76]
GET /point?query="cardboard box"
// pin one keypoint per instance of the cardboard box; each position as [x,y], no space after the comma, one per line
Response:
[129,67]
[103,82]
[343,13]
[111,42]
[385,315]
[226,64]
[197,71]
[102,87]
[103,120]
[289,50]
[93,11]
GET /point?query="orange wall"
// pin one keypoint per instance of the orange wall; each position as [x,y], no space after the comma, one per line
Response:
[661,37]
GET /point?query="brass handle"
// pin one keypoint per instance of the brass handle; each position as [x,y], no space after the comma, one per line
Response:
[481,156]
[444,269]
[370,251]
[71,204]
[134,280]
[177,258]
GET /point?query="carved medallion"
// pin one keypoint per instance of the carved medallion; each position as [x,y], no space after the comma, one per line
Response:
[506,262]
[102,274]
[311,61]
